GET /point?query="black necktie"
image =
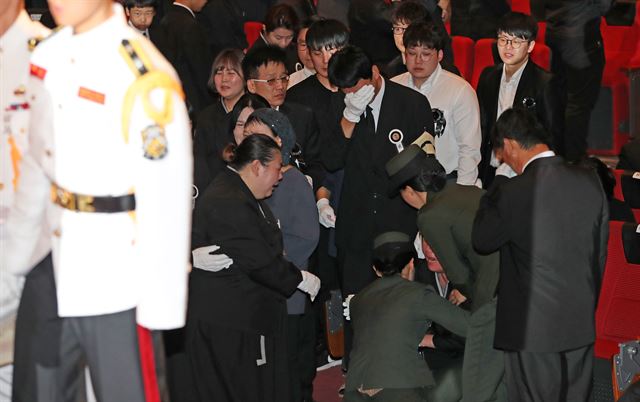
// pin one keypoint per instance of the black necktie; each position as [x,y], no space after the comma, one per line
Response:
[369,121]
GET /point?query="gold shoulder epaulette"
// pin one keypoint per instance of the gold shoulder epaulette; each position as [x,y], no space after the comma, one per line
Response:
[148,79]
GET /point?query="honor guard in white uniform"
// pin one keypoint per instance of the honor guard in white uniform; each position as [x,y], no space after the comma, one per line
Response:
[17,40]
[109,167]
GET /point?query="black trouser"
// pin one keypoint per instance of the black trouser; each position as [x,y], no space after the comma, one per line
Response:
[356,272]
[37,337]
[232,365]
[301,347]
[549,377]
[578,63]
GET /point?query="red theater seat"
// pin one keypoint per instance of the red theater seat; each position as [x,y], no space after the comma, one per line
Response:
[612,107]
[542,32]
[619,302]
[541,55]
[483,58]
[463,55]
[521,6]
[252,31]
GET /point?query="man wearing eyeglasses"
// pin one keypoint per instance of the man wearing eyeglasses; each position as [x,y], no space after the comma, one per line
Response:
[453,102]
[266,75]
[517,82]
[407,13]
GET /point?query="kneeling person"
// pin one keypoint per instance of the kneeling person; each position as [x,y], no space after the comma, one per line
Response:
[390,317]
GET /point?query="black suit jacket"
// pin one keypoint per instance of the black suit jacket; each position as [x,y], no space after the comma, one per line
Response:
[327,107]
[305,126]
[551,227]
[365,208]
[535,84]
[370,24]
[223,21]
[212,133]
[250,295]
[185,46]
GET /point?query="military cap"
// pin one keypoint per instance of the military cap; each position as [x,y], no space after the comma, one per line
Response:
[390,238]
[387,247]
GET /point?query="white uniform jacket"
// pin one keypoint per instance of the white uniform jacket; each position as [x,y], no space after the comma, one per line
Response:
[15,112]
[107,262]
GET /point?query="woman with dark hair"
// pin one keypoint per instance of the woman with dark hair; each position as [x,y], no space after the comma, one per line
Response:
[280,26]
[236,339]
[212,135]
[294,205]
[226,79]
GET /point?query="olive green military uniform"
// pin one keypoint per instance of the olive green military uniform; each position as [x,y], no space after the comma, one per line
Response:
[445,222]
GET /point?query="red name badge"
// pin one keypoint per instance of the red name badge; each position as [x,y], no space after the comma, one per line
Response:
[37,71]
[93,96]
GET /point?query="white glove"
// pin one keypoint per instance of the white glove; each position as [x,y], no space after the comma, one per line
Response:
[310,284]
[356,102]
[417,244]
[326,214]
[494,162]
[346,312]
[505,170]
[204,259]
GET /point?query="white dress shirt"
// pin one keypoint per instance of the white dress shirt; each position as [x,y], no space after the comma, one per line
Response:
[458,148]
[376,103]
[300,76]
[508,89]
[506,96]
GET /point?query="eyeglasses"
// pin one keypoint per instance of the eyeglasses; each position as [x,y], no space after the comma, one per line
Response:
[398,30]
[416,54]
[515,43]
[274,81]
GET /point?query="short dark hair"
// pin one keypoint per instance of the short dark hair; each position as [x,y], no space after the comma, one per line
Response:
[247,100]
[327,34]
[261,56]
[281,16]
[522,126]
[128,4]
[519,25]
[226,58]
[258,147]
[424,34]
[409,12]
[390,259]
[349,65]
[431,178]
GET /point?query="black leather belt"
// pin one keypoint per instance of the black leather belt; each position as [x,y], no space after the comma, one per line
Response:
[89,203]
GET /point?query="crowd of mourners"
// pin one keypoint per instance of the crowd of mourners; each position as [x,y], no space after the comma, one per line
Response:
[341,163]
